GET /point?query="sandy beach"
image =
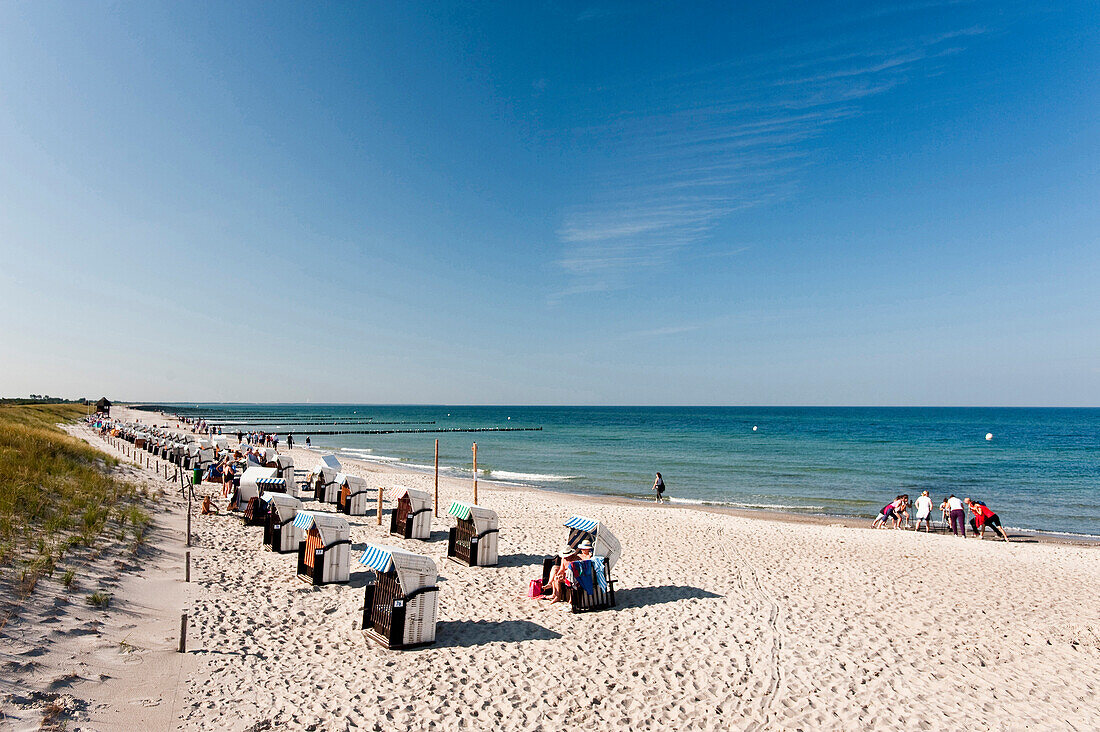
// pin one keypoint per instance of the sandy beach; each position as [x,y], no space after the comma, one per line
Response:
[723,622]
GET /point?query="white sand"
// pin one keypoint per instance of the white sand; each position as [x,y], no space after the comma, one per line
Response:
[723,622]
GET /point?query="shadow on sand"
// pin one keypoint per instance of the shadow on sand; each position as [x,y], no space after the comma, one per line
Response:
[466,633]
[643,596]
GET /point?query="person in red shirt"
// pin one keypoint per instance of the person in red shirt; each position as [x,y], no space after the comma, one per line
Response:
[983,516]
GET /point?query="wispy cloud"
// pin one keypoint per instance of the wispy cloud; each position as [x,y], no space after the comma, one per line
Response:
[727,137]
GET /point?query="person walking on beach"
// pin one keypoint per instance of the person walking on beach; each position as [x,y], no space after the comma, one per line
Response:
[659,487]
[957,516]
[924,512]
[290,442]
[307,442]
[983,515]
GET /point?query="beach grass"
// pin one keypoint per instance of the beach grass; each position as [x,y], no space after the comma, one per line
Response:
[57,493]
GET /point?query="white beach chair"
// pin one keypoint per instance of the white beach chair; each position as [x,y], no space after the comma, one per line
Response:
[400,606]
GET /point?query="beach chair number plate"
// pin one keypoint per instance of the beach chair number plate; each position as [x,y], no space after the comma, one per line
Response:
[399,603]
[276,527]
[318,552]
[473,539]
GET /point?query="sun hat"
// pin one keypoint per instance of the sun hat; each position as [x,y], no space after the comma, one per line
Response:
[565,551]
[585,545]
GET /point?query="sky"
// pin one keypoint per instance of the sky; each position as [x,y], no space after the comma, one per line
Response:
[735,203]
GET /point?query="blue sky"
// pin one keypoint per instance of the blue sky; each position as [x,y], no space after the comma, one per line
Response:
[615,203]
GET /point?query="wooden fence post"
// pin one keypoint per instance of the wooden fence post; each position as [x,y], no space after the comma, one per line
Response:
[183,633]
[379,505]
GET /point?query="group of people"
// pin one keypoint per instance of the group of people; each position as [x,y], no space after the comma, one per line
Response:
[560,576]
[262,439]
[952,510]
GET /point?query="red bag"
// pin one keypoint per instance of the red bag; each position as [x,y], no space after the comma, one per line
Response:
[535,588]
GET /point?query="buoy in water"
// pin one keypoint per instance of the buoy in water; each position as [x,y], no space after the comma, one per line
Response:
[754,428]
[988,435]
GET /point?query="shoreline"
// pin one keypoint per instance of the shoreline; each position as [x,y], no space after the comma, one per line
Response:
[817,500]
[762,514]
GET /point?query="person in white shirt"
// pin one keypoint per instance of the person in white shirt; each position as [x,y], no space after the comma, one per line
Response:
[958,516]
[924,512]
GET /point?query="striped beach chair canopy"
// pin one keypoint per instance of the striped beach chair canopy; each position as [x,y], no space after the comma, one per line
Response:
[483,518]
[330,526]
[353,482]
[604,543]
[270,483]
[413,570]
[418,499]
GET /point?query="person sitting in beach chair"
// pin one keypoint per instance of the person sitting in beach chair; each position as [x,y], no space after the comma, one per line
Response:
[558,584]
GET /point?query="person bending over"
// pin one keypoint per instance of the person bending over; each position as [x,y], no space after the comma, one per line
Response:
[983,516]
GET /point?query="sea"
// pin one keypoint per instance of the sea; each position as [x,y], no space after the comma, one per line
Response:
[1038,468]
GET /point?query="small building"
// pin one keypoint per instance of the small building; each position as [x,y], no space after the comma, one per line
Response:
[103,406]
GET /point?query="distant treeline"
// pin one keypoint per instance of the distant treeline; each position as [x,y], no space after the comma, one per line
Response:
[41,399]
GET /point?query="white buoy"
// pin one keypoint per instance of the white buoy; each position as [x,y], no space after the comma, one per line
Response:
[754,428]
[988,435]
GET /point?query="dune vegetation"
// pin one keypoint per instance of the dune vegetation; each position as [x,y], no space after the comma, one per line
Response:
[58,496]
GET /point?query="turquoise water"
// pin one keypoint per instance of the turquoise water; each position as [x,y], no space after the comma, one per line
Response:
[1040,471]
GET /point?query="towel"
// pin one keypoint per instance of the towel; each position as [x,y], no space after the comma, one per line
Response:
[599,569]
[583,571]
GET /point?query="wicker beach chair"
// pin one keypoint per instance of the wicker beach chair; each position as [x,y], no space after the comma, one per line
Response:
[353,498]
[325,551]
[411,518]
[473,541]
[604,545]
[248,487]
[284,467]
[280,533]
[321,480]
[400,605]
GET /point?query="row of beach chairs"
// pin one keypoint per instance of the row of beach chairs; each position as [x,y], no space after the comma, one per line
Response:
[400,604]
